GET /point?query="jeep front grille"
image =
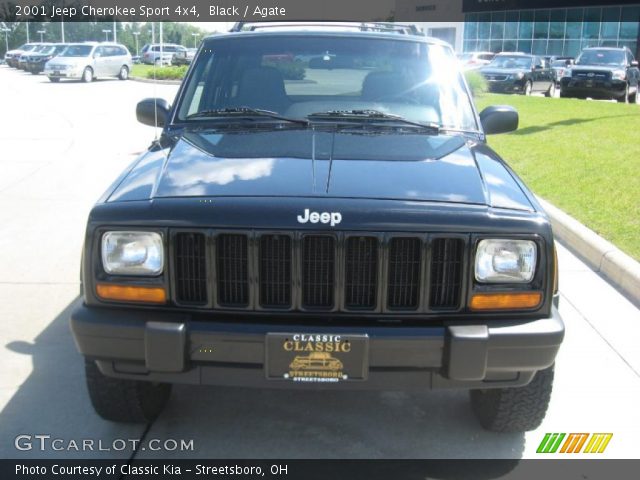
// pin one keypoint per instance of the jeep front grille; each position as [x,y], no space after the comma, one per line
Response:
[405,260]
[191,271]
[361,272]
[446,272]
[275,271]
[232,269]
[318,271]
[270,271]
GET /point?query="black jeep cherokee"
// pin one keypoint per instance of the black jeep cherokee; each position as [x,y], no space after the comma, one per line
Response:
[603,72]
[304,226]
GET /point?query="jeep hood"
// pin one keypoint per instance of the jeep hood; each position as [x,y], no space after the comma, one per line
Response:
[321,164]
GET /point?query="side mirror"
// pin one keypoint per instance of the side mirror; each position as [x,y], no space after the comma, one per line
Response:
[97,55]
[634,63]
[499,119]
[150,109]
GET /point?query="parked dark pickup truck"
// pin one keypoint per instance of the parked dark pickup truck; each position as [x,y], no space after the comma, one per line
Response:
[603,72]
[519,73]
[351,232]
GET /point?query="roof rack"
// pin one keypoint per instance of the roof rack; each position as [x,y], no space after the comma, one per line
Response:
[388,27]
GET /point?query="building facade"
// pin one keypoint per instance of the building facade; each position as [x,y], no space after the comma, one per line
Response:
[542,27]
[554,31]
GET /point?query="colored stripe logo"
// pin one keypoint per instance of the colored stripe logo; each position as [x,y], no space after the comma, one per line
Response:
[574,443]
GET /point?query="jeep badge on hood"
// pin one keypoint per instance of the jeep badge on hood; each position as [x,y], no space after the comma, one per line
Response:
[333,218]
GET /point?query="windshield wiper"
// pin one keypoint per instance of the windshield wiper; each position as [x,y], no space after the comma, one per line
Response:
[244,112]
[375,115]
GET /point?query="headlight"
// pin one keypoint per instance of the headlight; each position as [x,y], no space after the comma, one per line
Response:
[519,75]
[505,261]
[619,75]
[132,253]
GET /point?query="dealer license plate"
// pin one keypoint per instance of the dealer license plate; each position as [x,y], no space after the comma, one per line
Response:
[317,358]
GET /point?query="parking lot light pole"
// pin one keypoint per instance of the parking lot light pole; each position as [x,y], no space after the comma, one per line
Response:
[136,34]
[106,35]
[6,38]
[195,39]
[41,32]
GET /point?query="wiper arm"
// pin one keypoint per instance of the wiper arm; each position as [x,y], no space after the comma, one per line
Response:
[375,115]
[246,112]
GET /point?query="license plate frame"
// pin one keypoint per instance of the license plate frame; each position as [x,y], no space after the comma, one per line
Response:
[316,357]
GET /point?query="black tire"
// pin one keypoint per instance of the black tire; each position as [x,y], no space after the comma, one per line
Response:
[129,401]
[54,79]
[124,73]
[514,409]
[551,92]
[625,97]
[87,75]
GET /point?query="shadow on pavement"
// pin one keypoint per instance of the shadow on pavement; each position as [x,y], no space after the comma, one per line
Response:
[53,401]
[245,423]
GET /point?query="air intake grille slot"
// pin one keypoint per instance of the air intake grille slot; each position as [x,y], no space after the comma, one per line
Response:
[233,277]
[318,271]
[404,273]
[275,271]
[361,272]
[191,268]
[446,273]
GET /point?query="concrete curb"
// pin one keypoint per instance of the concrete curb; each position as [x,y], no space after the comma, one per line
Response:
[604,257]
[151,80]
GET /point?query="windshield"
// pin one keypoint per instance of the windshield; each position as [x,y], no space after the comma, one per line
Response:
[47,50]
[299,76]
[511,61]
[601,57]
[77,51]
[559,63]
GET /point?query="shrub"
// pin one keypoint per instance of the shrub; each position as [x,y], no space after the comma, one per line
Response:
[168,73]
[476,82]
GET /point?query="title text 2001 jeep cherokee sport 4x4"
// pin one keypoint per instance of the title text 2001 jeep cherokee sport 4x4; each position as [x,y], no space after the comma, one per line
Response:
[321,192]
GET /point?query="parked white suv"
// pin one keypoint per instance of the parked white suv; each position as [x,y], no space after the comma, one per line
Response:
[90,60]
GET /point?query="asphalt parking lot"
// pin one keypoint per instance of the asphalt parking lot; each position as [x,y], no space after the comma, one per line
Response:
[61,145]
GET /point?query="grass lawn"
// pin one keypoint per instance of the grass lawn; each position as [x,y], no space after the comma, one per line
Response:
[582,156]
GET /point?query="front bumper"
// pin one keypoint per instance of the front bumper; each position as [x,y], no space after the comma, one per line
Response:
[594,89]
[505,86]
[62,73]
[175,348]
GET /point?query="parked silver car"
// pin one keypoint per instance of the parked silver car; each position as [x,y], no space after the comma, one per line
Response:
[150,53]
[86,61]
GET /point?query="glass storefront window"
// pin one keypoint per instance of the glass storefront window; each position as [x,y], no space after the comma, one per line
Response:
[510,46]
[574,23]
[541,28]
[571,48]
[524,46]
[555,47]
[539,47]
[511,26]
[556,31]
[610,22]
[630,22]
[591,29]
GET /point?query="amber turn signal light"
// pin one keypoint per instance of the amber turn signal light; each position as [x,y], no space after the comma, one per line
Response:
[131,293]
[505,301]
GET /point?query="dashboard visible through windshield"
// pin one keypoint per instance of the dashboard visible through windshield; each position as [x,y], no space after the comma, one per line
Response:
[298,76]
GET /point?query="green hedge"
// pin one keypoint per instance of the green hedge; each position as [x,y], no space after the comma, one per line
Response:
[168,73]
[476,82]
